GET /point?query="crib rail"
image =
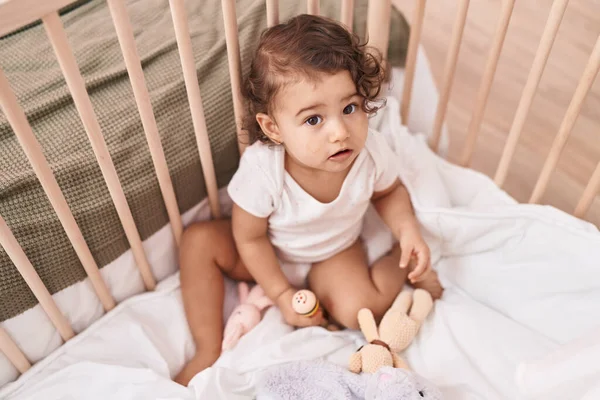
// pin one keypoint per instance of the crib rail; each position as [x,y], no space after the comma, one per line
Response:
[16,14]
[142,98]
[449,70]
[548,36]
[18,257]
[13,353]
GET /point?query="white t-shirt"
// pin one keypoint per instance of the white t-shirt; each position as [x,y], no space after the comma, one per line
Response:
[301,228]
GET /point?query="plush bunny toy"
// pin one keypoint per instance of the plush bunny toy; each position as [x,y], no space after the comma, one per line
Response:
[397,329]
[246,315]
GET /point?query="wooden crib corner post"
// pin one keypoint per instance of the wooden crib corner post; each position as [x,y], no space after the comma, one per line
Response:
[535,74]
[449,70]
[583,87]
[411,59]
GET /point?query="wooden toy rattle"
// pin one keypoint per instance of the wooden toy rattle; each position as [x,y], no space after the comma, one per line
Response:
[305,303]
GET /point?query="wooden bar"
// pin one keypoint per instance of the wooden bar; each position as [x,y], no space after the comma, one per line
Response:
[142,99]
[347,14]
[378,25]
[313,7]
[449,69]
[272,12]
[411,59]
[16,14]
[235,68]
[23,265]
[186,55]
[584,86]
[13,353]
[68,65]
[535,74]
[32,149]
[486,81]
[589,193]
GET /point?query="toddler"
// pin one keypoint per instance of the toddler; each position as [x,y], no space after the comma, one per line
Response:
[302,190]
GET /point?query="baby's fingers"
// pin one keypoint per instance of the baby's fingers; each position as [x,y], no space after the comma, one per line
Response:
[314,320]
[419,271]
[405,255]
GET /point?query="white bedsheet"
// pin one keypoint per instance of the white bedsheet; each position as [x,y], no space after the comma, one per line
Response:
[519,319]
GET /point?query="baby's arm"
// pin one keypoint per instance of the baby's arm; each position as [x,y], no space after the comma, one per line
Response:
[395,208]
[258,255]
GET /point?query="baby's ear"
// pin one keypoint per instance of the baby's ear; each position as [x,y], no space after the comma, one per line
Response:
[269,127]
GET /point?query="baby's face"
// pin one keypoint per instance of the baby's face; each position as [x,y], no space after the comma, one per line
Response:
[321,123]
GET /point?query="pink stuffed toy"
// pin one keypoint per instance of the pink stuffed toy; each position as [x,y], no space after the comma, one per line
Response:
[246,315]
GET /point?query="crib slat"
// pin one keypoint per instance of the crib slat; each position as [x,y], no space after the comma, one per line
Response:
[12,352]
[584,86]
[313,7]
[32,149]
[378,25]
[535,74]
[186,55]
[486,81]
[588,194]
[411,58]
[15,14]
[272,12]
[347,14]
[68,65]
[23,265]
[142,98]
[235,68]
[449,69]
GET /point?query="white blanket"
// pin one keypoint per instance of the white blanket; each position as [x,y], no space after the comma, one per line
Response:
[519,319]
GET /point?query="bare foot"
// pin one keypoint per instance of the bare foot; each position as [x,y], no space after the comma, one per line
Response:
[431,283]
[197,364]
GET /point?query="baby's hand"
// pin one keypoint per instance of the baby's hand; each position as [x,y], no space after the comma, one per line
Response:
[284,302]
[413,245]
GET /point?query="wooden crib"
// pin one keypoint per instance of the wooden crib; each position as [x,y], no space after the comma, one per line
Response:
[17,14]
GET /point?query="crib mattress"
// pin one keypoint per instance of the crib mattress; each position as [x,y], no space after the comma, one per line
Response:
[518,319]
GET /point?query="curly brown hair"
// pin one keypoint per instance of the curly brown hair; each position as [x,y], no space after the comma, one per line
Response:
[301,48]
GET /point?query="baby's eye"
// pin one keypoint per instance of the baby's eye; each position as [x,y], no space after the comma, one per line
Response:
[350,108]
[312,121]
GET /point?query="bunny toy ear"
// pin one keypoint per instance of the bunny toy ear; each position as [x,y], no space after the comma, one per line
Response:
[243,292]
[367,324]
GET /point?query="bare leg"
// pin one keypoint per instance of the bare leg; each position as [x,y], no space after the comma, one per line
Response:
[207,252]
[345,284]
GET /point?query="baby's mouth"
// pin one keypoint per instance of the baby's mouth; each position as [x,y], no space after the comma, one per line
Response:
[341,155]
